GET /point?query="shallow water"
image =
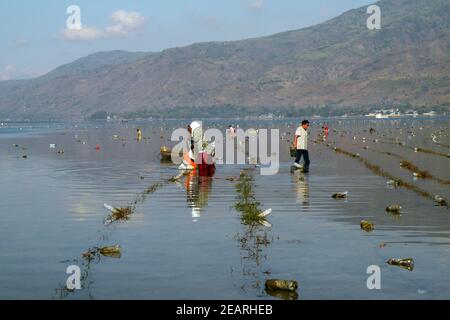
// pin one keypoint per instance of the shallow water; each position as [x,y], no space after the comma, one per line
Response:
[186,240]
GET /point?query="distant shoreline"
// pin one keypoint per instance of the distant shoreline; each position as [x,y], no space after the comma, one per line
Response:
[8,122]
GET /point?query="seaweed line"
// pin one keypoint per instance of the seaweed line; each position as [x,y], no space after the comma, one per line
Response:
[408,165]
[379,171]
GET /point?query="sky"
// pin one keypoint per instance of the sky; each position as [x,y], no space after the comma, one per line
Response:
[34,37]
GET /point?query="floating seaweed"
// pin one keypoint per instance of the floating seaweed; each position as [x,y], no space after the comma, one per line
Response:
[443,145]
[108,251]
[416,149]
[340,195]
[247,204]
[378,170]
[396,208]
[176,178]
[166,154]
[111,251]
[90,254]
[367,226]
[255,237]
[393,183]
[118,214]
[433,152]
[262,240]
[154,187]
[416,171]
[407,263]
[283,285]
[440,200]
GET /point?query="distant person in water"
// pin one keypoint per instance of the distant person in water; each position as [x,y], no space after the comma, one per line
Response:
[231,131]
[301,144]
[138,134]
[326,131]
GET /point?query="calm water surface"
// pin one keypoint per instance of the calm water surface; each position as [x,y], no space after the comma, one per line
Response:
[186,240]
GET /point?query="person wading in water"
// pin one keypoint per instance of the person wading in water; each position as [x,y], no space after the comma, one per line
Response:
[301,144]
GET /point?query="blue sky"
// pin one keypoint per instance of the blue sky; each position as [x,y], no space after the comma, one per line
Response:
[34,38]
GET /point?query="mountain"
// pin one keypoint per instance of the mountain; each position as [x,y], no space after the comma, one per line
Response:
[96,61]
[336,64]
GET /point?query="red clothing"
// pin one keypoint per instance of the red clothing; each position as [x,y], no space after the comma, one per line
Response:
[205,164]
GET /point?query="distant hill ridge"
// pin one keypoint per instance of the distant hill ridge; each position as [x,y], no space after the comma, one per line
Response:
[333,65]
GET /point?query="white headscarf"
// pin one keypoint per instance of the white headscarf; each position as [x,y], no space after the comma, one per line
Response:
[195,125]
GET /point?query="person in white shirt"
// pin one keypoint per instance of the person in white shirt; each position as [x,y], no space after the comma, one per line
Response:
[301,144]
[231,131]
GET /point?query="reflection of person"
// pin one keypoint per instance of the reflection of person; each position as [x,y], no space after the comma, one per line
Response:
[301,144]
[198,189]
[302,188]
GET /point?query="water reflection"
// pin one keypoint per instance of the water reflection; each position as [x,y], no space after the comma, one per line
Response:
[91,257]
[301,181]
[62,292]
[255,238]
[198,189]
[89,178]
[252,242]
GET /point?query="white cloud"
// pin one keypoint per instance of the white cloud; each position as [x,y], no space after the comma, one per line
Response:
[122,23]
[85,33]
[256,4]
[10,72]
[128,20]
[116,30]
